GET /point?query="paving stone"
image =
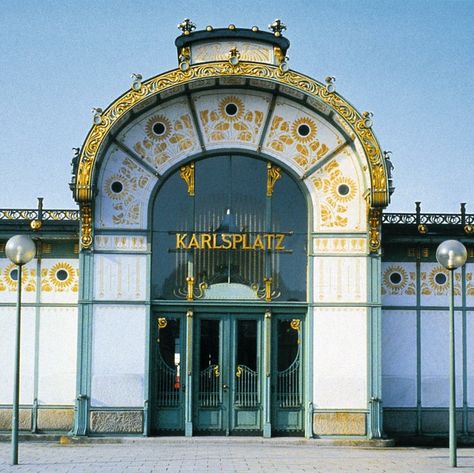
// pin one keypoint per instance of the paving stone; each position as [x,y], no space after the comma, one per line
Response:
[210,455]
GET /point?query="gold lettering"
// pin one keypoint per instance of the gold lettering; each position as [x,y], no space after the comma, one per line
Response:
[236,238]
[280,237]
[245,245]
[206,241]
[180,243]
[215,246]
[258,243]
[269,237]
[193,243]
[227,242]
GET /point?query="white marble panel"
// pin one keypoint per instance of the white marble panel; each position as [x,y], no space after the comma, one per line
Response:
[57,355]
[340,358]
[9,284]
[399,358]
[338,189]
[120,277]
[164,135]
[299,136]
[398,284]
[435,285]
[340,279]
[129,244]
[7,354]
[118,356]
[470,357]
[232,118]
[124,188]
[59,280]
[435,358]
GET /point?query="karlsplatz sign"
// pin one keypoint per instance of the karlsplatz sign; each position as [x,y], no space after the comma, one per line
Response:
[231,241]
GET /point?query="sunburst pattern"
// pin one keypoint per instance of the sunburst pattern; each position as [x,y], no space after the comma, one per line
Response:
[304,130]
[437,284]
[231,108]
[115,180]
[158,128]
[343,189]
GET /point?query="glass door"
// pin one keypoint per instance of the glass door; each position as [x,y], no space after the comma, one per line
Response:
[227,384]
[287,376]
[167,374]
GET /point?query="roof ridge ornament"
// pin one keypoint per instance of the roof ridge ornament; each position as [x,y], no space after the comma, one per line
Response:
[187,26]
[277,27]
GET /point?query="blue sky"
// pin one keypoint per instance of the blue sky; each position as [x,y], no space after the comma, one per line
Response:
[411,63]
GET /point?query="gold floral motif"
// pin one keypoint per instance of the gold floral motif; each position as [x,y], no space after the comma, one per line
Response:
[162,322]
[125,203]
[295,324]
[177,136]
[273,174]
[283,134]
[242,125]
[334,204]
[430,286]
[379,195]
[375,219]
[154,121]
[61,277]
[406,285]
[86,225]
[186,173]
[28,279]
[296,128]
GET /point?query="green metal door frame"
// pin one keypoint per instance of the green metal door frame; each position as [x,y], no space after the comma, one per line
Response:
[243,310]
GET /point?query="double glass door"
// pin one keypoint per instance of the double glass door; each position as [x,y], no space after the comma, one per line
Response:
[238,374]
[228,379]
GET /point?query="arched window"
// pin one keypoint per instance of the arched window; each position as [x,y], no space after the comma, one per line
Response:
[242,235]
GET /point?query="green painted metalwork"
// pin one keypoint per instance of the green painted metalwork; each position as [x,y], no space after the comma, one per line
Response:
[374,337]
[84,343]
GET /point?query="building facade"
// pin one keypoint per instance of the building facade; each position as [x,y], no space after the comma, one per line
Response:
[226,273]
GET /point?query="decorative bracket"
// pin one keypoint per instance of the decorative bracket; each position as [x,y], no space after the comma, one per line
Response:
[86,226]
[375,218]
[187,175]
[273,174]
[191,292]
[265,292]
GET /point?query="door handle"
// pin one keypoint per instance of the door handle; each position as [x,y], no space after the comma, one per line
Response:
[225,387]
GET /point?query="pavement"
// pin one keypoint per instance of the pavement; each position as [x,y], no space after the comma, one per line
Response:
[219,454]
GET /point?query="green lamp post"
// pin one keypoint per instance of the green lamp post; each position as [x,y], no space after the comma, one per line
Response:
[19,249]
[451,254]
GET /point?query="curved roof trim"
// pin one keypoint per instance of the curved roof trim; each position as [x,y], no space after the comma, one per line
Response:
[82,185]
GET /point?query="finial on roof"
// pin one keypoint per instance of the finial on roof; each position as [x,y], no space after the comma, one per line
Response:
[187,26]
[277,27]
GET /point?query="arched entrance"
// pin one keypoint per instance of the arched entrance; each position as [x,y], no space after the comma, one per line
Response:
[228,294]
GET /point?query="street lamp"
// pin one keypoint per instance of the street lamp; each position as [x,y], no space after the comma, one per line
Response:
[451,254]
[19,249]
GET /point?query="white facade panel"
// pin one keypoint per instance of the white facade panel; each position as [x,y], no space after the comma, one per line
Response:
[399,358]
[7,354]
[118,356]
[435,358]
[340,358]
[340,279]
[57,355]
[120,277]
